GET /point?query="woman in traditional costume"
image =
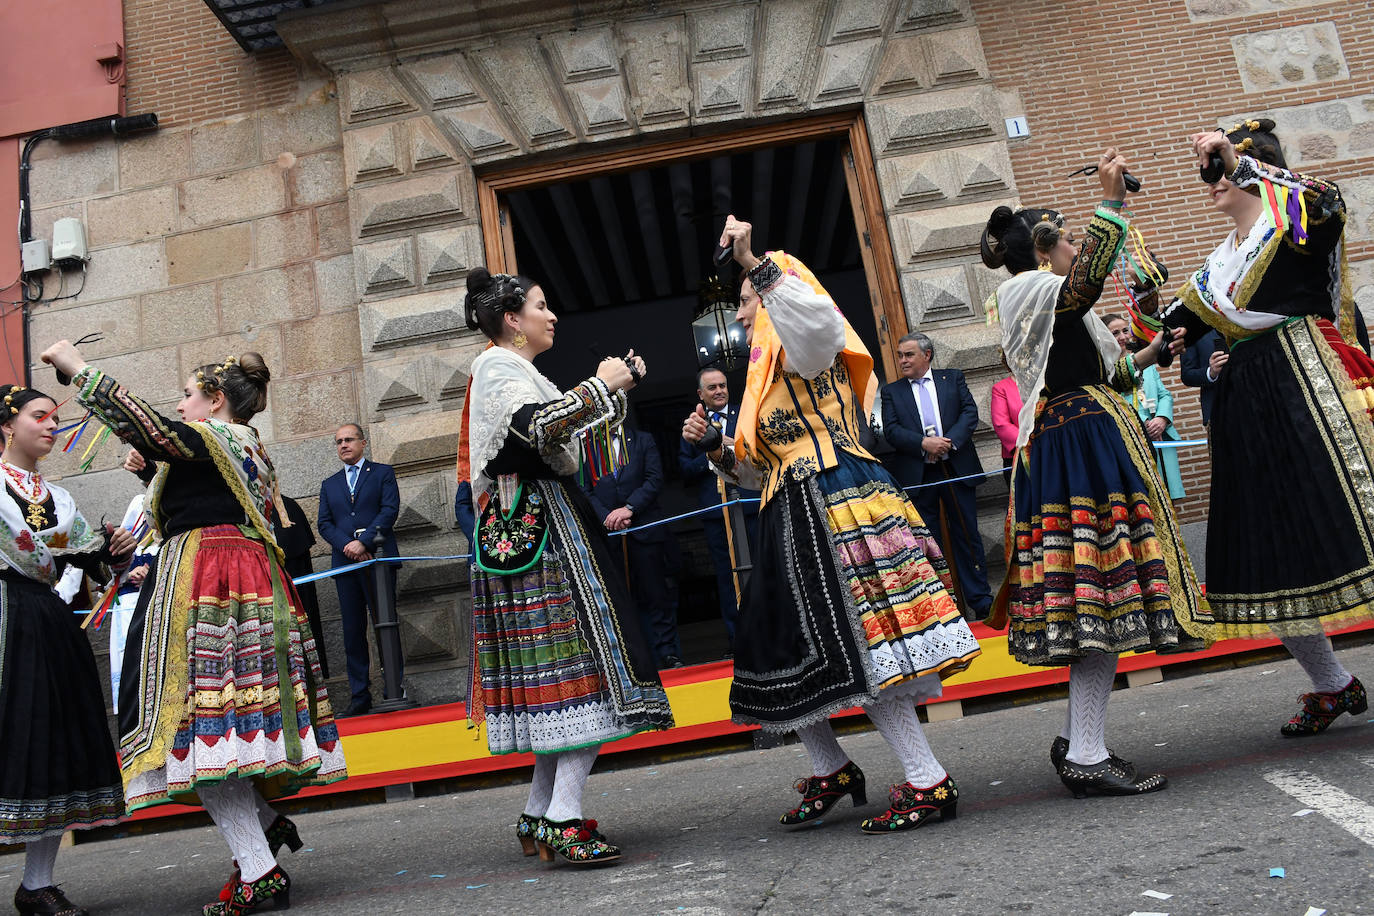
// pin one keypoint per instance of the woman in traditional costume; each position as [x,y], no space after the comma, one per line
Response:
[1290,534]
[1095,562]
[221,697]
[559,665]
[849,602]
[58,769]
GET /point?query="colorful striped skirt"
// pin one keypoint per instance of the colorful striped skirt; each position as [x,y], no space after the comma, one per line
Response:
[849,596]
[221,677]
[1095,561]
[558,659]
[58,768]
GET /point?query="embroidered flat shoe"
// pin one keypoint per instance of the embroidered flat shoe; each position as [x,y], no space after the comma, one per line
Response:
[46,901]
[1319,710]
[524,831]
[1059,749]
[576,841]
[1112,776]
[270,892]
[912,806]
[821,793]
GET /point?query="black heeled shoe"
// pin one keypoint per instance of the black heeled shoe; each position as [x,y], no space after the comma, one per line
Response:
[1108,777]
[46,901]
[281,833]
[1059,750]
[912,806]
[270,892]
[1319,710]
[576,841]
[820,793]
[524,832]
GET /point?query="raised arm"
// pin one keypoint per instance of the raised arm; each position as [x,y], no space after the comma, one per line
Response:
[1097,255]
[808,324]
[1321,199]
[130,418]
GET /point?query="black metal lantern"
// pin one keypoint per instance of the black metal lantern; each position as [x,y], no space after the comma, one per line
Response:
[719,338]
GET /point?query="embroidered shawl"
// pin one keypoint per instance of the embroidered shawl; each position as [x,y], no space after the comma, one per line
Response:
[36,553]
[243,464]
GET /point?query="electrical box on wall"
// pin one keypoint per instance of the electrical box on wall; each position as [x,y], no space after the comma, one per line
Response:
[35,257]
[69,241]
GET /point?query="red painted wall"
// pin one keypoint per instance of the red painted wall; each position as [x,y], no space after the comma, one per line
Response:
[50,74]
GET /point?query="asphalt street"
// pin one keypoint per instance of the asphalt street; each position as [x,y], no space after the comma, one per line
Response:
[701,834]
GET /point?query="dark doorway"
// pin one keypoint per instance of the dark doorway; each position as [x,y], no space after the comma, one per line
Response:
[622,258]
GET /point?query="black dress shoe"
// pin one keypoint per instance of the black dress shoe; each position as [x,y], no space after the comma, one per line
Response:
[672,661]
[357,708]
[1109,777]
[46,901]
[1059,749]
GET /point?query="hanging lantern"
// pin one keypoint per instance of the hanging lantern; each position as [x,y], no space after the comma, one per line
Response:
[719,338]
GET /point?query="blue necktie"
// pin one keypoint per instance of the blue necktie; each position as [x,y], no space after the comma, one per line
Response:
[929,415]
[352,479]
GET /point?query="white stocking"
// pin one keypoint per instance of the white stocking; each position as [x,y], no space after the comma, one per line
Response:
[266,814]
[1068,722]
[896,720]
[568,782]
[541,785]
[1319,660]
[39,858]
[825,752]
[231,805]
[1090,687]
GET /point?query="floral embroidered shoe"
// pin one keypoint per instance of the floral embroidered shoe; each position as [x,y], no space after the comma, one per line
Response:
[270,892]
[912,807]
[577,841]
[821,793]
[281,833]
[1060,749]
[1319,710]
[46,901]
[1112,776]
[524,831]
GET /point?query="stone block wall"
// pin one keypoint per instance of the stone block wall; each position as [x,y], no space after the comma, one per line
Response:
[1186,66]
[207,240]
[332,229]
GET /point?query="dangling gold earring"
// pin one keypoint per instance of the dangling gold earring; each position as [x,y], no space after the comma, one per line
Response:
[1045,265]
[519,340]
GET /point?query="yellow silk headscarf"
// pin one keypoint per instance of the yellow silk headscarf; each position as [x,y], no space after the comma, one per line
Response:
[766,350]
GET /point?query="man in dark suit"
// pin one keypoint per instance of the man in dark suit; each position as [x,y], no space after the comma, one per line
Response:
[359,501]
[1200,367]
[629,497]
[928,418]
[714,392]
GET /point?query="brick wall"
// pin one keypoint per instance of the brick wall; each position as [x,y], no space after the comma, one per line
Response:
[183,65]
[1144,76]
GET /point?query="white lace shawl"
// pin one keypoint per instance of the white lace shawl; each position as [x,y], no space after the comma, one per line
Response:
[502,383]
[1025,305]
